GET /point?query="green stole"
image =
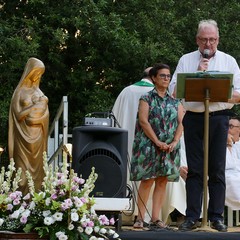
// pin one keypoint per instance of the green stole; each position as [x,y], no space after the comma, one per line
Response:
[143,84]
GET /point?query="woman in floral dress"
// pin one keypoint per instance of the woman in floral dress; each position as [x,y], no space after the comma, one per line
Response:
[156,147]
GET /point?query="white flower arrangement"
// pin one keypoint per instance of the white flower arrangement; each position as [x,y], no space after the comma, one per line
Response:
[61,210]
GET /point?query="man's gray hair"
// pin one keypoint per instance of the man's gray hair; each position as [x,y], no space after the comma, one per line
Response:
[206,23]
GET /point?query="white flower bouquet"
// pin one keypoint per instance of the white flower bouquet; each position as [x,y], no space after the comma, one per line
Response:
[61,210]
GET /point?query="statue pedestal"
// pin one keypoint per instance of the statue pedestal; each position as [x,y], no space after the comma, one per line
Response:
[4,235]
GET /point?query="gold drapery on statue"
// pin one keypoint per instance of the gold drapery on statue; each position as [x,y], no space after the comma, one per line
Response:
[28,124]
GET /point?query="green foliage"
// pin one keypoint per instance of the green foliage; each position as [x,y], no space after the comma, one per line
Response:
[92,49]
[236,110]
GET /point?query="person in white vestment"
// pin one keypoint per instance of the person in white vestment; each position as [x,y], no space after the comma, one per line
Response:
[176,192]
[126,106]
[232,171]
[125,112]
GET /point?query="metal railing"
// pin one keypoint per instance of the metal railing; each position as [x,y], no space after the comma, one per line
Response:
[58,134]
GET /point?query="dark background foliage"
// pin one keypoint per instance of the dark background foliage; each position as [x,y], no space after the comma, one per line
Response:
[92,49]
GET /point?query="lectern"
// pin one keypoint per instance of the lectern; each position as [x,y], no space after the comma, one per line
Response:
[205,87]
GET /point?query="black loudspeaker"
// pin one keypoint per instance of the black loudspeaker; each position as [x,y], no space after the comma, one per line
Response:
[104,148]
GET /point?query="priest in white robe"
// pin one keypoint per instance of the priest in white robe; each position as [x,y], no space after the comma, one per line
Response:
[232,199]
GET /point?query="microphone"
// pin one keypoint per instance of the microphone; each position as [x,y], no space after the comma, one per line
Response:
[206,53]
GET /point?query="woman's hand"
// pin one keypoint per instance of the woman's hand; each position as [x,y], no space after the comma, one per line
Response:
[162,146]
[172,145]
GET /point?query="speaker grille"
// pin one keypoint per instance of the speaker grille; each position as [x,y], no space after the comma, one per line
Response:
[110,178]
[104,148]
[100,152]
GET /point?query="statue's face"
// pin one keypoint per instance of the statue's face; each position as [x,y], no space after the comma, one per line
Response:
[36,74]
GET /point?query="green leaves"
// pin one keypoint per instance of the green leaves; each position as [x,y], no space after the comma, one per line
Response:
[93,49]
[28,228]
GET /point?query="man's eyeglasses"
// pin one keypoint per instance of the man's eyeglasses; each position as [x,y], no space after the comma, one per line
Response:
[167,76]
[205,40]
[231,126]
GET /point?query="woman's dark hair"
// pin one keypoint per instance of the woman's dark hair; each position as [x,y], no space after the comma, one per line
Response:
[154,70]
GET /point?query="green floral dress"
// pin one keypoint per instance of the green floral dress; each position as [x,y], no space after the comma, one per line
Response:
[148,161]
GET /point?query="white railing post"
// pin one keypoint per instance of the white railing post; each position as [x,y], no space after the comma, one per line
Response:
[55,139]
[65,120]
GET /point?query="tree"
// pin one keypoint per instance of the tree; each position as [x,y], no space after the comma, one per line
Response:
[92,49]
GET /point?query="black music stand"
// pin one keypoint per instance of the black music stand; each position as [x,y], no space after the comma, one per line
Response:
[206,88]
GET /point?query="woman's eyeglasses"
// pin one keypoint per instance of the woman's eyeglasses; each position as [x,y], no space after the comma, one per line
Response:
[167,76]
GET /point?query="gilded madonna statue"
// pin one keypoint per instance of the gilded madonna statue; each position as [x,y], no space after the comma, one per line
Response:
[28,124]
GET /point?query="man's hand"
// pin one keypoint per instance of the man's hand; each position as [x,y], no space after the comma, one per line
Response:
[235,97]
[203,65]
[184,172]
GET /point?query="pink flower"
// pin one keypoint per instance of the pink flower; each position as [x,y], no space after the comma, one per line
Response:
[103,220]
[60,175]
[16,201]
[23,219]
[13,195]
[64,206]
[78,180]
[84,224]
[27,197]
[24,204]
[9,207]
[83,199]
[74,188]
[112,221]
[62,193]
[90,224]
[19,194]
[54,196]
[77,201]
[68,202]
[60,182]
